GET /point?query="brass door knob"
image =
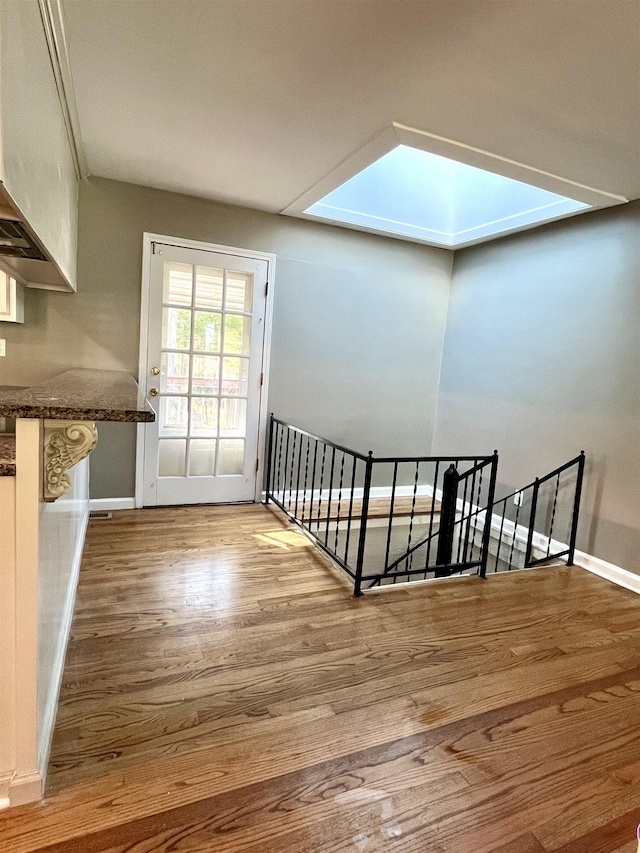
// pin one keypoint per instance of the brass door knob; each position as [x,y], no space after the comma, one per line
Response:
[153,392]
[155,371]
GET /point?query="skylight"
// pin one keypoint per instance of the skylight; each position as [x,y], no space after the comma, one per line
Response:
[412,193]
[413,185]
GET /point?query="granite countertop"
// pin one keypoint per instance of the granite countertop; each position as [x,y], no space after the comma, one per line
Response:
[7,454]
[79,395]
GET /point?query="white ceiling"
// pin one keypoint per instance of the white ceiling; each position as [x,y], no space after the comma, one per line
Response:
[254,101]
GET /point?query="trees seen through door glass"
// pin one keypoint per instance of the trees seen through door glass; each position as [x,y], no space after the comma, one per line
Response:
[204,370]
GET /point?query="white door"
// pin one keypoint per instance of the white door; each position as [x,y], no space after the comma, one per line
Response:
[206,321]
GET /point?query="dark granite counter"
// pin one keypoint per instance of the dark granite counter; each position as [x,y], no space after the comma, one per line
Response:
[7,455]
[79,395]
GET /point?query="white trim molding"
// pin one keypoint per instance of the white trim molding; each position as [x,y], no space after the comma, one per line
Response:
[608,571]
[398,134]
[25,788]
[111,504]
[53,25]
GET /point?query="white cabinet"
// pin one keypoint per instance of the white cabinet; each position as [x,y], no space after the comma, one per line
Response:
[38,175]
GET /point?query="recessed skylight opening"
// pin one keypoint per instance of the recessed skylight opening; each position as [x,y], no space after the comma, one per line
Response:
[413,193]
[404,185]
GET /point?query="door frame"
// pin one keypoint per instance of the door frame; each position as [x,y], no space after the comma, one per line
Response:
[180,242]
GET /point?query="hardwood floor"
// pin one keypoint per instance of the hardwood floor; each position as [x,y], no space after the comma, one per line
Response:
[225,692]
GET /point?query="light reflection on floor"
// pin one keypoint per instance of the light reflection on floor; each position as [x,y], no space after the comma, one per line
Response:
[285,539]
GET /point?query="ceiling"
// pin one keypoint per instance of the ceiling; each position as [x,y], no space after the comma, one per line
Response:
[255,101]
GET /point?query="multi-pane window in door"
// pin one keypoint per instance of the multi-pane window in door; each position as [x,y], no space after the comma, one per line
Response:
[204,371]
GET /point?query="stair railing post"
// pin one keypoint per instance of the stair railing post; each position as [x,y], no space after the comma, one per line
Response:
[357,590]
[448,508]
[486,534]
[576,510]
[269,457]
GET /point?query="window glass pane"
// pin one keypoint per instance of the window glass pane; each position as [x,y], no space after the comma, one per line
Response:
[233,417]
[173,416]
[231,456]
[204,416]
[209,288]
[171,458]
[235,377]
[202,458]
[206,331]
[206,374]
[239,296]
[237,334]
[177,283]
[176,328]
[174,373]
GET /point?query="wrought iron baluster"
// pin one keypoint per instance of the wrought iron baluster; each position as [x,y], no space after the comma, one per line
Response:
[324,454]
[504,511]
[333,462]
[286,463]
[513,541]
[279,462]
[576,510]
[298,475]
[354,462]
[357,589]
[468,531]
[391,507]
[431,515]
[335,544]
[413,508]
[479,507]
[306,473]
[553,514]
[488,516]
[313,485]
[461,522]
[532,522]
[293,464]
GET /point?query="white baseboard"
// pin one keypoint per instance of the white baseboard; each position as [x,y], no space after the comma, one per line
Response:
[110,504]
[615,574]
[49,720]
[24,789]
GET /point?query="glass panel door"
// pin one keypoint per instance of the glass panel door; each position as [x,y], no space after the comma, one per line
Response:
[206,332]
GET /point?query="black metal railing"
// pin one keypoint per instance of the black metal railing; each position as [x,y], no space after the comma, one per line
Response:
[322,487]
[390,519]
[414,531]
[523,523]
[454,540]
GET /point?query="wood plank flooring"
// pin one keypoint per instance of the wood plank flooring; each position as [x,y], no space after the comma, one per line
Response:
[225,692]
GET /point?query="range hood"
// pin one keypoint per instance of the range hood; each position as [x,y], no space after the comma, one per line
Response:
[22,254]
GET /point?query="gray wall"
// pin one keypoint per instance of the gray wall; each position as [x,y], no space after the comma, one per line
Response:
[542,359]
[357,329]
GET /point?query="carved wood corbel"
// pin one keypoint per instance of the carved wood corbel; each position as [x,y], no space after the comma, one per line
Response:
[65,444]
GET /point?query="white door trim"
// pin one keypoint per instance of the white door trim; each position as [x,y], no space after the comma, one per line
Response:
[147,240]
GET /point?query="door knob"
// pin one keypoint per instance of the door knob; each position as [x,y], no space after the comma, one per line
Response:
[155,371]
[153,392]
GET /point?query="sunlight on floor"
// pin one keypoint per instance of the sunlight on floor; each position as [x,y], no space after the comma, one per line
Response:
[285,539]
